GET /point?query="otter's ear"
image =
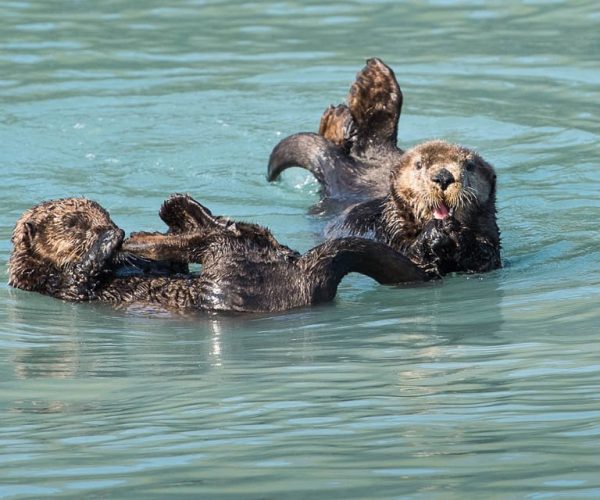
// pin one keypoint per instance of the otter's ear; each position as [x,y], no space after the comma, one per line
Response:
[24,234]
[184,214]
[30,230]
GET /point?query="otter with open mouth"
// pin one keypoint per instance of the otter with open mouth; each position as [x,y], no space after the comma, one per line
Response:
[435,202]
[71,249]
[440,210]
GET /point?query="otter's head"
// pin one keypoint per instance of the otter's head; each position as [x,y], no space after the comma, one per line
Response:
[438,180]
[53,235]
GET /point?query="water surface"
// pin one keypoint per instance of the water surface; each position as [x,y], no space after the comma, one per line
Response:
[482,386]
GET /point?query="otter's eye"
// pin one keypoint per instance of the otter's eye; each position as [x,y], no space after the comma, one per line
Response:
[470,165]
[70,222]
[418,165]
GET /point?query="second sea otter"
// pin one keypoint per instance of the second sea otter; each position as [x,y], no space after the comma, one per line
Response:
[436,202]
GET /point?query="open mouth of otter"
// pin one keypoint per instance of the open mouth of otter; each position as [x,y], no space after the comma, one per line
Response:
[442,211]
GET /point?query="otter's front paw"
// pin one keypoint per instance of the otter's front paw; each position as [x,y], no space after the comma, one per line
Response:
[101,251]
[449,225]
[81,279]
[436,235]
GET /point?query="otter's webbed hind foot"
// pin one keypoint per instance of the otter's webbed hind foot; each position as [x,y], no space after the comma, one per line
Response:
[375,101]
[183,214]
[126,264]
[337,126]
[178,248]
[355,149]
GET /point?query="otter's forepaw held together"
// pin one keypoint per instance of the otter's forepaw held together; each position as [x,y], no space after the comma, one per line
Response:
[82,278]
[433,249]
[437,235]
[448,225]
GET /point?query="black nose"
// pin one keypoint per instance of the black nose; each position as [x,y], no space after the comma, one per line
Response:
[443,178]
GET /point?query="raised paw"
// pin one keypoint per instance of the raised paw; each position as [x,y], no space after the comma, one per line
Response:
[102,250]
[81,279]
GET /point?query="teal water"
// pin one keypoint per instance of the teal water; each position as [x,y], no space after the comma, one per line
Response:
[482,387]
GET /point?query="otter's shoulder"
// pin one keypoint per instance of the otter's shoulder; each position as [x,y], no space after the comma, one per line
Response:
[361,219]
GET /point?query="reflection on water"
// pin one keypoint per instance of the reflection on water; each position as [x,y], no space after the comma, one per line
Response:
[480,384]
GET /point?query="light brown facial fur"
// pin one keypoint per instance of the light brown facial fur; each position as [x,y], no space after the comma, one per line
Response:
[55,233]
[439,179]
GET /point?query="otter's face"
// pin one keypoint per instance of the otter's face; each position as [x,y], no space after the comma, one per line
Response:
[442,180]
[59,232]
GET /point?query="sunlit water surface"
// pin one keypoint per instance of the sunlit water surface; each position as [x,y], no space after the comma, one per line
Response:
[486,386]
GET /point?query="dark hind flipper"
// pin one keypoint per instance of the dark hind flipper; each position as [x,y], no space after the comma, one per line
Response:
[184,214]
[337,126]
[375,101]
[326,161]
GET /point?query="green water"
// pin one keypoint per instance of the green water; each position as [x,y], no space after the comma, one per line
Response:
[481,387]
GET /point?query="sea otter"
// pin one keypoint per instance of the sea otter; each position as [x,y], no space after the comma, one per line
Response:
[355,149]
[71,249]
[435,202]
[440,210]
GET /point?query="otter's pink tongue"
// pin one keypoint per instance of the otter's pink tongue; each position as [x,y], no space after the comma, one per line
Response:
[441,211]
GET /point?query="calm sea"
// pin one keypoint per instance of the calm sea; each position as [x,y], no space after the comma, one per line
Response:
[479,387]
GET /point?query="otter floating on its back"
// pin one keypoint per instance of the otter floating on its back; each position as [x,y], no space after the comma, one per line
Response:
[436,202]
[440,211]
[71,249]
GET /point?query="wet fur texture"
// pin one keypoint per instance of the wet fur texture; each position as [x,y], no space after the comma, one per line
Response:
[440,211]
[71,249]
[356,147]
[61,248]
[390,195]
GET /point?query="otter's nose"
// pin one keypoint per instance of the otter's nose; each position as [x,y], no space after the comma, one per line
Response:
[444,178]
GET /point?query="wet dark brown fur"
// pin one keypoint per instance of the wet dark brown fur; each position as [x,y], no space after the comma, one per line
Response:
[71,249]
[356,147]
[68,249]
[440,210]
[60,248]
[356,158]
